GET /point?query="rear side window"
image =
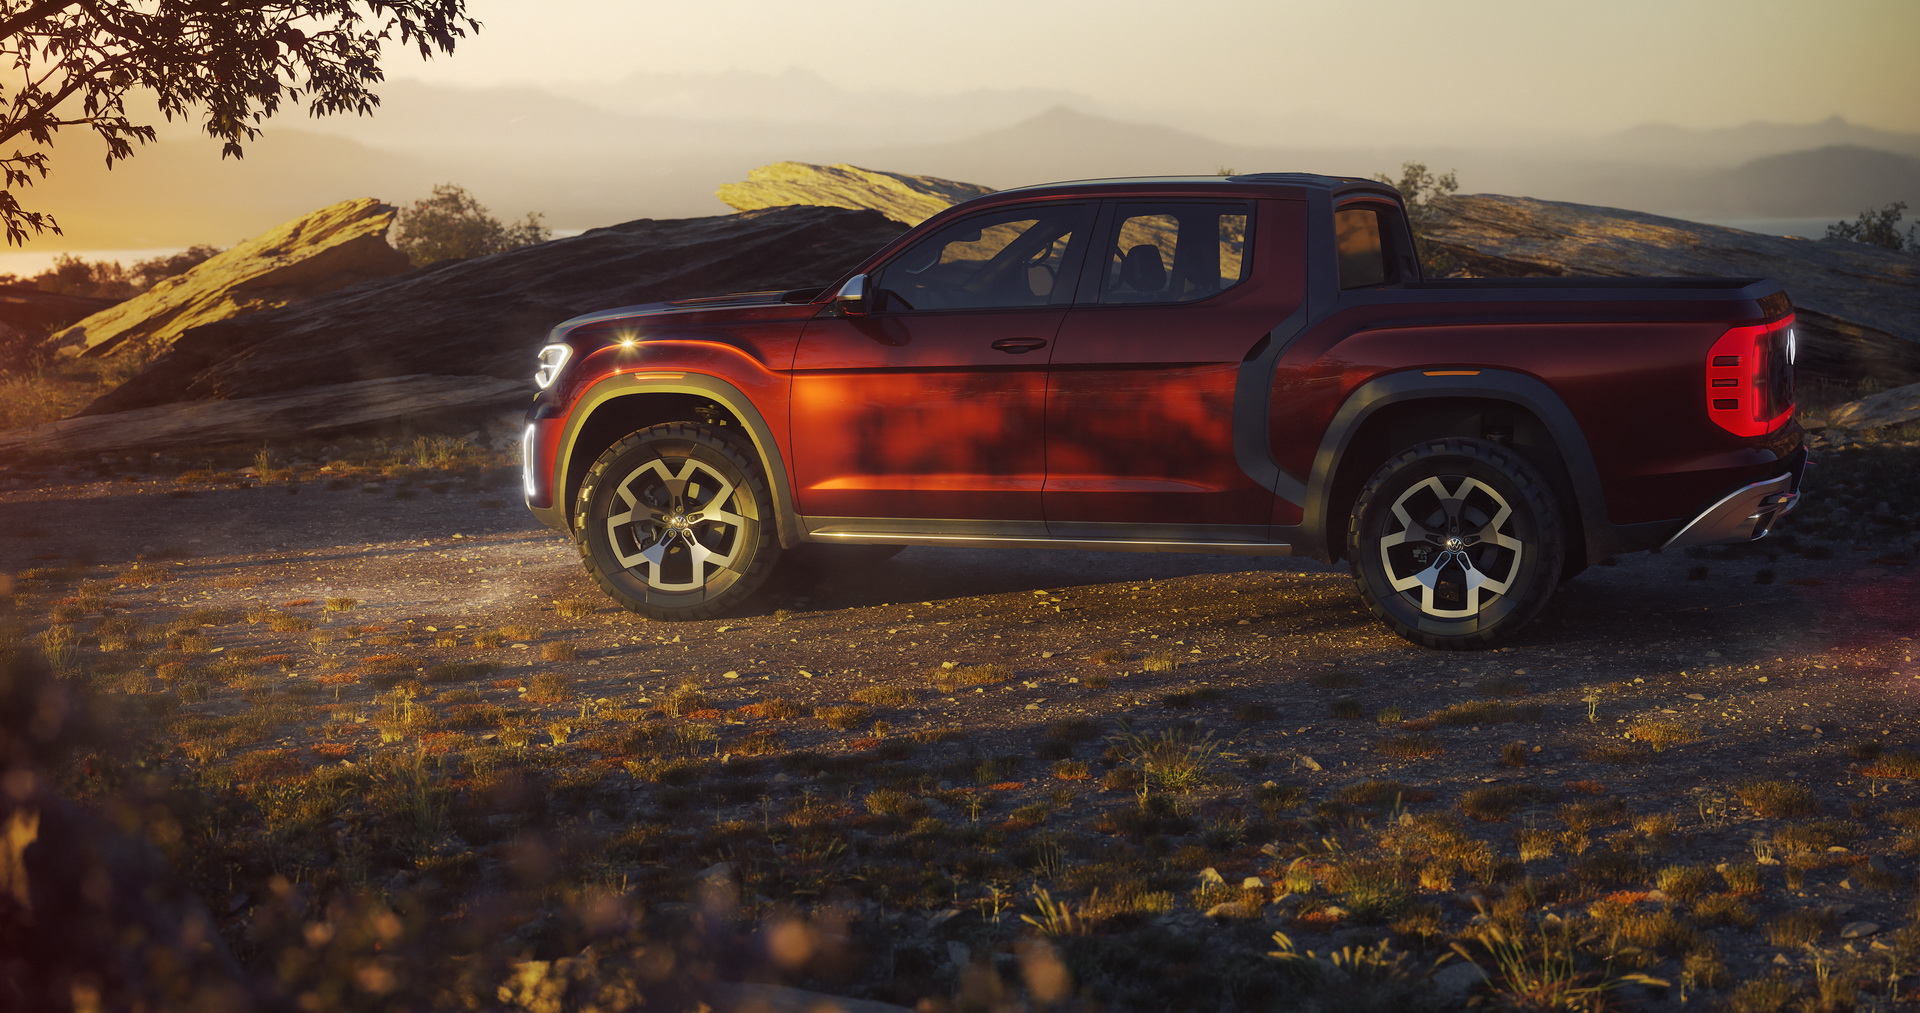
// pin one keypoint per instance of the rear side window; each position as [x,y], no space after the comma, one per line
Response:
[1356,233]
[1174,251]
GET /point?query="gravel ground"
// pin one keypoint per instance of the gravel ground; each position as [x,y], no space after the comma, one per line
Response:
[1774,660]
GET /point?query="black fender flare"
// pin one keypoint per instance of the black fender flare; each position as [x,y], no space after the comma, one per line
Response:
[615,388]
[1518,389]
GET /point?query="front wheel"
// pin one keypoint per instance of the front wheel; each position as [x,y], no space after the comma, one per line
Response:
[675,522]
[1456,543]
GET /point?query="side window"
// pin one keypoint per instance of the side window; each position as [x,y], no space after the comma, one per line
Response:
[1356,234]
[1004,259]
[1174,252]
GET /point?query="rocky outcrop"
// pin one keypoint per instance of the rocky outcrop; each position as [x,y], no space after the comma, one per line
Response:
[1858,305]
[1887,408]
[423,402]
[486,317]
[330,249]
[906,199]
[28,315]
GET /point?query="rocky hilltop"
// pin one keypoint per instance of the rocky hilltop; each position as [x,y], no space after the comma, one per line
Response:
[28,315]
[330,249]
[909,200]
[398,347]
[486,316]
[1858,305]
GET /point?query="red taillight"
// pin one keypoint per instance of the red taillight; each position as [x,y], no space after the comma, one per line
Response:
[1750,378]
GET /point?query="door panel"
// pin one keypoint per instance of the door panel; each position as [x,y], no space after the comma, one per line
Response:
[933,404]
[1140,401]
[918,415]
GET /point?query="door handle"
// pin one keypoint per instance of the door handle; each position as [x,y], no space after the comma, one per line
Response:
[1019,346]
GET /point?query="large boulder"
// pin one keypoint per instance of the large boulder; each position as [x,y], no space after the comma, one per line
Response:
[906,199]
[330,249]
[1887,408]
[487,316]
[1858,305]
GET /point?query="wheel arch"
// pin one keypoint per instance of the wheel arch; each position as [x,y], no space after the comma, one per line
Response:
[611,409]
[1513,410]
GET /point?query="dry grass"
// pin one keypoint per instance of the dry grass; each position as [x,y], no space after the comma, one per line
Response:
[1778,799]
[884,696]
[844,718]
[1662,735]
[958,677]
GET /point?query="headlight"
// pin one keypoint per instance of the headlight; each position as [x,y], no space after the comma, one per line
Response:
[526,454]
[553,358]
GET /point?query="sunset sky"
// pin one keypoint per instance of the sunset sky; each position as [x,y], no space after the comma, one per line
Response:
[1585,68]
[829,80]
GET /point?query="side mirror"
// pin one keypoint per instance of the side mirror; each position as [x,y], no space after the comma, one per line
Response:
[852,297]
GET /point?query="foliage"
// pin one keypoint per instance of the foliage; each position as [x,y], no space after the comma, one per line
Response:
[1879,228]
[229,65]
[451,224]
[1422,191]
[109,279]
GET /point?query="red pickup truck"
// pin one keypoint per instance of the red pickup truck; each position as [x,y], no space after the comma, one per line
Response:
[1245,364]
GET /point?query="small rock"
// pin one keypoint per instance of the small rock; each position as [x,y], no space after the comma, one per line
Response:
[1253,883]
[731,675]
[1235,909]
[1210,876]
[1858,930]
[1455,980]
[1781,960]
[1695,696]
[1309,762]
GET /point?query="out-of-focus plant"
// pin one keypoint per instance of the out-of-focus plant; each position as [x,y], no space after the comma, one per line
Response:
[452,224]
[1879,228]
[229,65]
[1422,191]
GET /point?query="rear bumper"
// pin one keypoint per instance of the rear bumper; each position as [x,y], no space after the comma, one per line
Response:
[1745,514]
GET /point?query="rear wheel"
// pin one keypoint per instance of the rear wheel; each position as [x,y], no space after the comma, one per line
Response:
[1456,543]
[675,522]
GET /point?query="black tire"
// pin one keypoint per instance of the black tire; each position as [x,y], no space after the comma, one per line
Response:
[676,522]
[1436,517]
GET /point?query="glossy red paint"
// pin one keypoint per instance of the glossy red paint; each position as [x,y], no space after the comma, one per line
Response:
[1632,386]
[1140,399]
[918,415]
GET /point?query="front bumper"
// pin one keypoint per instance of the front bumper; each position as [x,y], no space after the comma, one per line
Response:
[1743,515]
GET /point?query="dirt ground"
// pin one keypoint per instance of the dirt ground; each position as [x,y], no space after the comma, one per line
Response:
[1776,661]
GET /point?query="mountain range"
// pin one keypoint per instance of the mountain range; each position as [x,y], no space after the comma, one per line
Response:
[658,146]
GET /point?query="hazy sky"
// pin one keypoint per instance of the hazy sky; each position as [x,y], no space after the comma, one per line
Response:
[1540,64]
